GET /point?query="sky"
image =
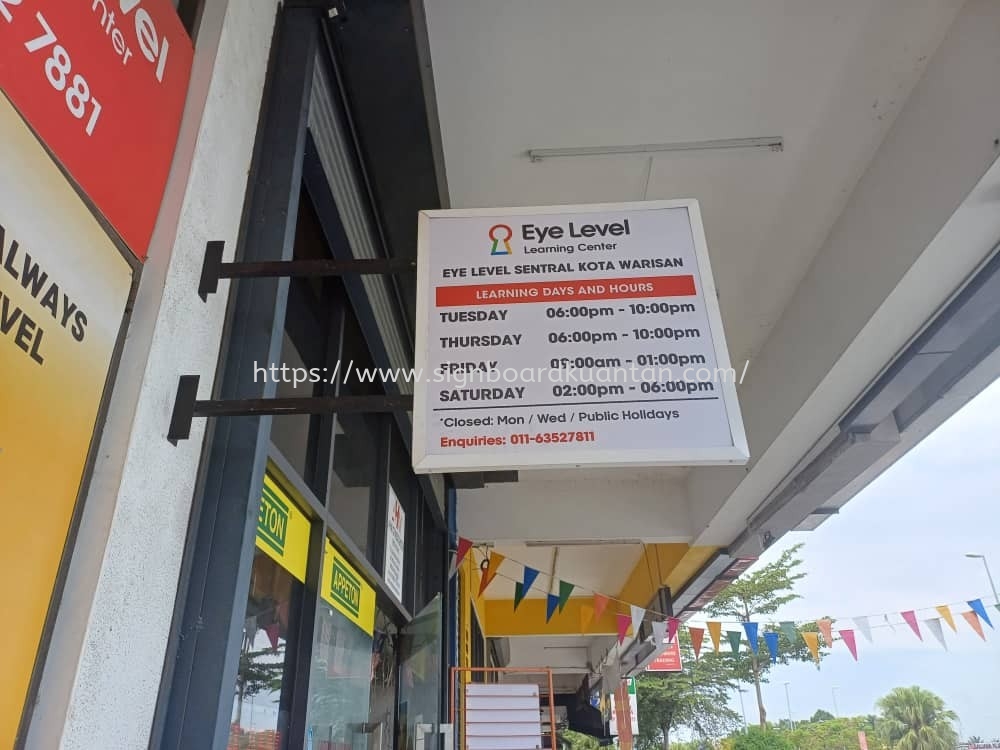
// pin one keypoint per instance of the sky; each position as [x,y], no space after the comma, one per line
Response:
[900,544]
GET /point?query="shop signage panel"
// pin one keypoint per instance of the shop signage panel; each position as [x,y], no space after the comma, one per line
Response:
[282,529]
[64,287]
[102,83]
[570,336]
[395,544]
[668,661]
[346,591]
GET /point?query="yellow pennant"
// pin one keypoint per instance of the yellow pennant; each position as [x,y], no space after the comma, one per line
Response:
[492,566]
[945,611]
[812,641]
[715,631]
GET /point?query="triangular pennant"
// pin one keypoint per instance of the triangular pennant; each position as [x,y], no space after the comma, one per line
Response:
[889,623]
[979,609]
[565,589]
[790,632]
[551,605]
[464,545]
[973,619]
[911,619]
[851,642]
[715,631]
[672,625]
[750,628]
[530,574]
[600,604]
[492,566]
[586,617]
[518,594]
[697,638]
[771,639]
[938,632]
[945,611]
[826,628]
[734,637]
[659,633]
[637,614]
[623,622]
[862,624]
[812,641]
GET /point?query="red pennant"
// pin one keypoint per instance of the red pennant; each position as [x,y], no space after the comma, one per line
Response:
[273,634]
[600,604]
[697,636]
[672,624]
[911,620]
[973,619]
[826,628]
[850,642]
[464,545]
[624,622]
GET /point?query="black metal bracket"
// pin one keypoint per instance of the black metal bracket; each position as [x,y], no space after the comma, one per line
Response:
[187,406]
[214,268]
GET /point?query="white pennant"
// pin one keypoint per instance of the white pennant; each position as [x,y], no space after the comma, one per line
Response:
[887,622]
[659,633]
[862,624]
[637,614]
[935,625]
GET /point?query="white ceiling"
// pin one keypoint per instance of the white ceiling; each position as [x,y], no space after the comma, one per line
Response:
[593,568]
[829,77]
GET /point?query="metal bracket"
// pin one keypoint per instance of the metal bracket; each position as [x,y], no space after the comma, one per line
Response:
[214,268]
[187,406]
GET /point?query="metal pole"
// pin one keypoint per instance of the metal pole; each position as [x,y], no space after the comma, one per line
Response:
[836,711]
[743,710]
[788,701]
[989,575]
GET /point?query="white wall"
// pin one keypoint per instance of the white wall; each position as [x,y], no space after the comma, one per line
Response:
[103,672]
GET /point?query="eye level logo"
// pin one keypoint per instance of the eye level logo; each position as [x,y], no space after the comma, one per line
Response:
[345,588]
[501,233]
[272,522]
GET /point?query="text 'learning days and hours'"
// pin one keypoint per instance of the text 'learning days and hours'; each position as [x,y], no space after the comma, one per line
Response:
[570,336]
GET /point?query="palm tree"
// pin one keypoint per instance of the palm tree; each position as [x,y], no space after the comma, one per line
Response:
[916,719]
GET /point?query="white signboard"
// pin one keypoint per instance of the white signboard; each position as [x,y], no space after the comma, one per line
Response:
[570,336]
[395,534]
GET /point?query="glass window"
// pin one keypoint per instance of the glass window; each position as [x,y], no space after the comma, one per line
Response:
[352,474]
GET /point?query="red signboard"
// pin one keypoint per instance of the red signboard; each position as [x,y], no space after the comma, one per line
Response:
[668,661]
[102,83]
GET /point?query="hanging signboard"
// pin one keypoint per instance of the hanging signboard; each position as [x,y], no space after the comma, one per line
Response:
[395,544]
[570,336]
[669,660]
[64,287]
[102,83]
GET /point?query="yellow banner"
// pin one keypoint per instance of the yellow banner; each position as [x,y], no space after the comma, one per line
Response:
[346,591]
[282,530]
[63,291]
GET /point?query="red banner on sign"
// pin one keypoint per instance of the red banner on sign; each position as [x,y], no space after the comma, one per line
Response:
[561,291]
[668,661]
[102,83]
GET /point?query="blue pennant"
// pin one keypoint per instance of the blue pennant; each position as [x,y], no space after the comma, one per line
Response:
[979,609]
[551,607]
[751,630]
[530,574]
[771,639]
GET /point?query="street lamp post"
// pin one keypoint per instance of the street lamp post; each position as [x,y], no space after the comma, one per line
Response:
[788,702]
[989,575]
[836,711]
[743,709]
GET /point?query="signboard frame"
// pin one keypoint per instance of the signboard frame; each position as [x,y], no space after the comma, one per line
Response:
[540,457]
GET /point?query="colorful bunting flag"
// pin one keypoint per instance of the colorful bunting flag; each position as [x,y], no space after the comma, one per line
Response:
[979,609]
[771,639]
[862,624]
[826,628]
[790,632]
[518,594]
[697,638]
[812,641]
[530,574]
[734,637]
[715,631]
[850,642]
[911,619]
[750,628]
[936,630]
[659,632]
[550,606]
[638,613]
[973,619]
[565,589]
[492,566]
[672,625]
[623,622]
[464,545]
[586,617]
[600,604]
[945,611]
[889,623]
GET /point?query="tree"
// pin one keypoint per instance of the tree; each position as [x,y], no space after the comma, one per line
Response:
[696,698]
[917,719]
[761,738]
[764,592]
[821,715]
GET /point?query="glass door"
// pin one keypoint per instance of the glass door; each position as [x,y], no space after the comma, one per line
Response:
[419,723]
